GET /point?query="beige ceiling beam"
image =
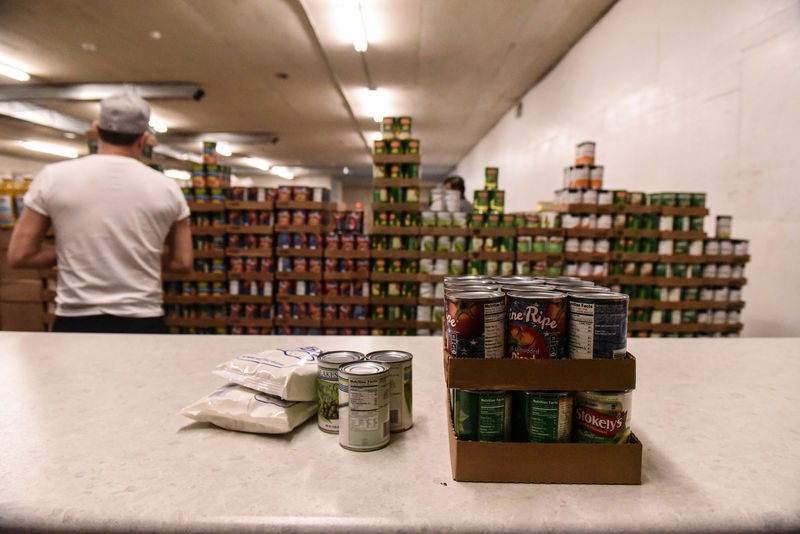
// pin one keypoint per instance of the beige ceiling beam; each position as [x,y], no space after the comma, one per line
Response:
[99,91]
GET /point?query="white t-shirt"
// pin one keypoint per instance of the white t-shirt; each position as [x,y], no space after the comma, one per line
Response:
[111,215]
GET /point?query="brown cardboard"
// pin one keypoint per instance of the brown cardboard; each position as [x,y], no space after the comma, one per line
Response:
[540,375]
[20,290]
[561,463]
[22,316]
[5,238]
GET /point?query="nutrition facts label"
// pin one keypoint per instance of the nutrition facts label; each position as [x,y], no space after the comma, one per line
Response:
[581,330]
[494,329]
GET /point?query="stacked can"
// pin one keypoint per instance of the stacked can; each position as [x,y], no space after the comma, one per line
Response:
[345,237]
[210,183]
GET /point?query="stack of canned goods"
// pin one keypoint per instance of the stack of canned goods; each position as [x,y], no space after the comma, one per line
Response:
[395,195]
[443,219]
[253,194]
[209,184]
[395,242]
[396,171]
[207,219]
[364,398]
[348,222]
[250,217]
[302,193]
[536,318]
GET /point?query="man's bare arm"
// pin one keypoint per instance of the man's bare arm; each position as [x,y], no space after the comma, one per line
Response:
[178,256]
[28,249]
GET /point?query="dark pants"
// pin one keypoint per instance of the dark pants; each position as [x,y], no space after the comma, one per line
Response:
[111,324]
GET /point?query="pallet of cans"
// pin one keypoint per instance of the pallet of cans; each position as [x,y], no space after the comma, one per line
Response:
[540,383]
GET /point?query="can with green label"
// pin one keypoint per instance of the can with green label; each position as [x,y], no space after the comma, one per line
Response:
[698,199]
[497,201]
[328,365]
[492,176]
[411,146]
[481,415]
[400,387]
[481,201]
[542,416]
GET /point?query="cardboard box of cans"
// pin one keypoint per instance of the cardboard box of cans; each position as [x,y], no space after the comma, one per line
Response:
[565,463]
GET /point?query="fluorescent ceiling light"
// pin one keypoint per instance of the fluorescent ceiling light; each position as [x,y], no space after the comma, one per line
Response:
[158,125]
[376,136]
[48,148]
[356,23]
[258,163]
[11,72]
[283,172]
[376,104]
[224,149]
[178,174]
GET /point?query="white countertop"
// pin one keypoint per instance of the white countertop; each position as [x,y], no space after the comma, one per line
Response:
[91,438]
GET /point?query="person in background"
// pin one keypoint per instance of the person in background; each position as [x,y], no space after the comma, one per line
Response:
[117,224]
[456,183]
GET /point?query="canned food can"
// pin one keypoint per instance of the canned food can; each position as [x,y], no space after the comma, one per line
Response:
[475,324]
[602,416]
[481,415]
[598,325]
[584,153]
[537,324]
[400,387]
[328,365]
[542,416]
[364,405]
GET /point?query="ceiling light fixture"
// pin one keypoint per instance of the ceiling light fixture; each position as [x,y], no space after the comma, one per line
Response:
[283,172]
[158,125]
[11,72]
[258,163]
[224,149]
[375,104]
[48,148]
[357,29]
[178,174]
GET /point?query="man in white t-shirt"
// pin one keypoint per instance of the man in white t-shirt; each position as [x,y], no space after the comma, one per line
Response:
[117,224]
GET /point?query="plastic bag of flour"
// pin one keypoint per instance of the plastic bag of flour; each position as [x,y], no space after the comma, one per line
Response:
[238,408]
[288,374]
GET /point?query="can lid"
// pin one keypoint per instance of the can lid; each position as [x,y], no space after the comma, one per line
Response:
[598,296]
[476,295]
[364,368]
[473,287]
[388,356]
[535,294]
[340,356]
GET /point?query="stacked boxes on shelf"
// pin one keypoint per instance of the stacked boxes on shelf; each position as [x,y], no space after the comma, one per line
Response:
[302,219]
[394,274]
[346,285]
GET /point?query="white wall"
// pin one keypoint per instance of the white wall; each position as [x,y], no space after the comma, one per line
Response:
[682,95]
[12,166]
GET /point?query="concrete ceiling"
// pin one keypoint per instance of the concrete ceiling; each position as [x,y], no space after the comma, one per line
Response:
[288,67]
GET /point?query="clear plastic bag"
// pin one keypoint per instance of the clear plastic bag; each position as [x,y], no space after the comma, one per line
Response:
[289,374]
[235,407]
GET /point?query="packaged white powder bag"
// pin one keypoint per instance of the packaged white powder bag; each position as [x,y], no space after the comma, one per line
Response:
[288,374]
[238,408]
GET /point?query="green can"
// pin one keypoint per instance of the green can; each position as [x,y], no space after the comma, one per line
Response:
[633,221]
[698,199]
[380,146]
[411,146]
[602,417]
[411,170]
[542,416]
[509,220]
[328,365]
[380,194]
[388,127]
[506,244]
[393,313]
[497,201]
[476,220]
[648,244]
[696,224]
[493,220]
[524,243]
[650,221]
[492,176]
[396,194]
[681,246]
[620,197]
[394,170]
[679,270]
[481,415]
[654,199]
[683,200]
[661,270]
[403,127]
[669,199]
[395,146]
[632,244]
[476,267]
[481,201]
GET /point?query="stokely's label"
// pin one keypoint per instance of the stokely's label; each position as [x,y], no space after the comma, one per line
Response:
[606,425]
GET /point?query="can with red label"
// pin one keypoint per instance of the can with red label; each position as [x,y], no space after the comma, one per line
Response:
[537,324]
[602,417]
[475,324]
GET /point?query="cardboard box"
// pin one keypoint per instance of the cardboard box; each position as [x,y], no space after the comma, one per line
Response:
[540,375]
[22,316]
[565,463]
[21,290]
[559,463]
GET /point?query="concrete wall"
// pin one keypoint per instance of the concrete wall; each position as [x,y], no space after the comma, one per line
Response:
[684,95]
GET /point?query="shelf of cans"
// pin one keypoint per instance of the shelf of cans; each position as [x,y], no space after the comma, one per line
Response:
[394,241]
[652,247]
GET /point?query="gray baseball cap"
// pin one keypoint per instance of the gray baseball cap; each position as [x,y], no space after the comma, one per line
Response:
[124,113]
